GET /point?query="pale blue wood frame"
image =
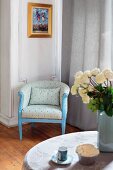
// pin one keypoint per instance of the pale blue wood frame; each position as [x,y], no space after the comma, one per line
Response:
[62,121]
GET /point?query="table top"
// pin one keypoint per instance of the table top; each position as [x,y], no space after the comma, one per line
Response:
[39,157]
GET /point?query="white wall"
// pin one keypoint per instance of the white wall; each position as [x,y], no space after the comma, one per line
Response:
[26,58]
[5,99]
[36,59]
[0,55]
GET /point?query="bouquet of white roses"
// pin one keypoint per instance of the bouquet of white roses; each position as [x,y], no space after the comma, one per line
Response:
[95,89]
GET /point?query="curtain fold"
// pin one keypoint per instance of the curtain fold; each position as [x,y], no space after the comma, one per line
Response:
[91,47]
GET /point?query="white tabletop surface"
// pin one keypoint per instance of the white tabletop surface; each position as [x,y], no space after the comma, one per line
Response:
[39,157]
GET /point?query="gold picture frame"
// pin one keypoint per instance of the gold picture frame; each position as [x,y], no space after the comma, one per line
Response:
[39,20]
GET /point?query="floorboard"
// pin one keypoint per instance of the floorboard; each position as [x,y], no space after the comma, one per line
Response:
[12,150]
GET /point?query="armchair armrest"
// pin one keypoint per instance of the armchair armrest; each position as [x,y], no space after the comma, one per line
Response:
[64,106]
[64,91]
[24,94]
[64,99]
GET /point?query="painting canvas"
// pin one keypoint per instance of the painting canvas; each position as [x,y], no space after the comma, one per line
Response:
[39,20]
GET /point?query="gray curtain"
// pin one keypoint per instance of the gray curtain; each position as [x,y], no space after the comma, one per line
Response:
[87,43]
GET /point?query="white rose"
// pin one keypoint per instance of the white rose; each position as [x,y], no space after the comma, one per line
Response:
[85,85]
[90,88]
[100,78]
[82,92]
[87,73]
[84,79]
[77,82]
[85,99]
[74,90]
[108,74]
[78,74]
[106,70]
[95,71]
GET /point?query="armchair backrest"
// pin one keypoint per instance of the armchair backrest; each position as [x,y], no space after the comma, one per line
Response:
[26,89]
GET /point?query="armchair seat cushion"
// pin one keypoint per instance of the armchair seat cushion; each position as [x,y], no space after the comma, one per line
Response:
[42,112]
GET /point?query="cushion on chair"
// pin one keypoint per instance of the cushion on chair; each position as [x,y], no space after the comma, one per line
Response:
[42,112]
[45,96]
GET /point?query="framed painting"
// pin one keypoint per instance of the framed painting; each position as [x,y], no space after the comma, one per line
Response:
[39,20]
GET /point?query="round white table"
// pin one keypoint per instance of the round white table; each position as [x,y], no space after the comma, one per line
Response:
[39,157]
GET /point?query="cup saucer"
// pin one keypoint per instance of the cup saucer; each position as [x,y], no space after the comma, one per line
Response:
[54,158]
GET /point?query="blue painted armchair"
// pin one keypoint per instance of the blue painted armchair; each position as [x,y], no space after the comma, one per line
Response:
[49,112]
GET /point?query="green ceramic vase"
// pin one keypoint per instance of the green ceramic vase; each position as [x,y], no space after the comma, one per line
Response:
[105,132]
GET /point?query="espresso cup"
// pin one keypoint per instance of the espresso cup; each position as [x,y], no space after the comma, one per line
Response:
[62,153]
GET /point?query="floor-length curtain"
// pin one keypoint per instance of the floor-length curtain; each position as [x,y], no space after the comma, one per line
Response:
[91,47]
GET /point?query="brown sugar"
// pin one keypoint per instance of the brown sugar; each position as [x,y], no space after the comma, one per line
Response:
[87,150]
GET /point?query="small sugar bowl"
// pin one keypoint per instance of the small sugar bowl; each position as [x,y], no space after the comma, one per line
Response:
[87,154]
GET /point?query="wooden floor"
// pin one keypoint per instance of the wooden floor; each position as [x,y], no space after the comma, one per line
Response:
[12,150]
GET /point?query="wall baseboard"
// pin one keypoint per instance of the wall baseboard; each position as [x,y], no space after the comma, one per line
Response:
[9,122]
